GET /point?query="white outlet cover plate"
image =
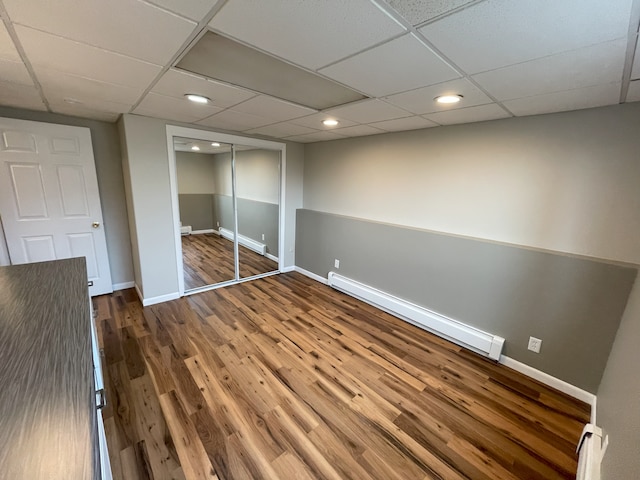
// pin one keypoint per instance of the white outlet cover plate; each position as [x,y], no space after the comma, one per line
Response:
[534,344]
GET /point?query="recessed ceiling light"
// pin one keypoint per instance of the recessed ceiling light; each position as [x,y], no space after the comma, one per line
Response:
[448,99]
[330,122]
[194,97]
[215,144]
[195,147]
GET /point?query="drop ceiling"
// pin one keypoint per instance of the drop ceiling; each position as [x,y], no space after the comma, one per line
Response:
[96,59]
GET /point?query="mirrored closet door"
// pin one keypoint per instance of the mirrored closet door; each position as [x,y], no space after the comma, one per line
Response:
[228,209]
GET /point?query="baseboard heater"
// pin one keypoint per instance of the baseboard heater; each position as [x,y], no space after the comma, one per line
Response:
[452,330]
[250,243]
[590,451]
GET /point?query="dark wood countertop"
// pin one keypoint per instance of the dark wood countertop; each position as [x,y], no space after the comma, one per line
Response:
[47,396]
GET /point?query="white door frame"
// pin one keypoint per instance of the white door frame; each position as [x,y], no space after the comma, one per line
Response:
[207,135]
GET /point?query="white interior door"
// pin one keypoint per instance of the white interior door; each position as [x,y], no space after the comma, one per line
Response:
[49,199]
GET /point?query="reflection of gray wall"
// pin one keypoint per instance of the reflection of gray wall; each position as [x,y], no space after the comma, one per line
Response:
[254,219]
[197,210]
[257,218]
[573,304]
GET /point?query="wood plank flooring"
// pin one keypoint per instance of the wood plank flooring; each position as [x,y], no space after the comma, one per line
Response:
[285,378]
[208,259]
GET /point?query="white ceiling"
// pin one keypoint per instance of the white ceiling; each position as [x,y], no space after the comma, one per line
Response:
[97,59]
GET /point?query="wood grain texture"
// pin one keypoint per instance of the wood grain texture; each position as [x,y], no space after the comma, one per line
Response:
[47,394]
[286,378]
[208,259]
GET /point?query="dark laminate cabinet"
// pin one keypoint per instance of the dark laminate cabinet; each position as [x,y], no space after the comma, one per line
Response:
[48,420]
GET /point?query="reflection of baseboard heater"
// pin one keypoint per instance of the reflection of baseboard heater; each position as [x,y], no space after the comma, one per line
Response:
[457,332]
[591,450]
[250,243]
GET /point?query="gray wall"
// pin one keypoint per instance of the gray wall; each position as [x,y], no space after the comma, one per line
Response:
[573,304]
[619,397]
[146,161]
[564,182]
[106,152]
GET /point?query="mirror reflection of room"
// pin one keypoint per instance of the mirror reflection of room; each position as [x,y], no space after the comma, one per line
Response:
[207,220]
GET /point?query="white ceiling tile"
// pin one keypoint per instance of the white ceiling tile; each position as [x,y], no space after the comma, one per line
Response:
[596,96]
[311,34]
[176,83]
[497,33]
[179,109]
[269,107]
[7,48]
[422,101]
[369,111]
[633,95]
[57,86]
[96,109]
[193,9]
[359,130]
[407,123]
[635,71]
[467,115]
[280,130]
[130,27]
[14,72]
[315,121]
[233,120]
[396,66]
[419,11]
[315,137]
[585,67]
[22,96]
[57,53]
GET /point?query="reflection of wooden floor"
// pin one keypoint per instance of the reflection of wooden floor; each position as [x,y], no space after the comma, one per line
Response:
[285,378]
[208,259]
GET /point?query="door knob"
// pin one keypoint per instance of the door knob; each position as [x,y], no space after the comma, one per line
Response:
[95,224]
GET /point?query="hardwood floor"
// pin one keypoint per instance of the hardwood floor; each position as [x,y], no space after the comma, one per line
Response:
[208,259]
[285,378]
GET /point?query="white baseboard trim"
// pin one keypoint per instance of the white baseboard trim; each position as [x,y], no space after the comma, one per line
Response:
[550,380]
[206,230]
[290,268]
[123,286]
[311,275]
[271,257]
[159,299]
[140,297]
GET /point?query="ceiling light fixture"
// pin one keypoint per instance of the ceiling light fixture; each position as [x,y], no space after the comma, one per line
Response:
[194,97]
[330,122]
[215,144]
[448,99]
[195,147]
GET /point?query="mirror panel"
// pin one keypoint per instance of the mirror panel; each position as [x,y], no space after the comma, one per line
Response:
[204,180]
[258,202]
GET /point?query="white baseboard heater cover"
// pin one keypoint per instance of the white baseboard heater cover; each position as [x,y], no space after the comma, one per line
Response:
[590,451]
[250,243]
[457,332]
[185,229]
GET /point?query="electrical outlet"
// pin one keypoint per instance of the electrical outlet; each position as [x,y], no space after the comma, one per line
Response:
[263,236]
[336,263]
[534,344]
